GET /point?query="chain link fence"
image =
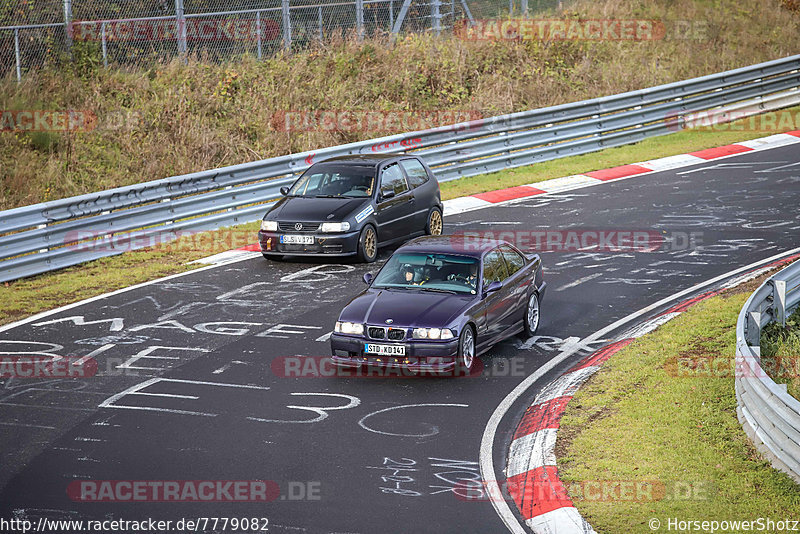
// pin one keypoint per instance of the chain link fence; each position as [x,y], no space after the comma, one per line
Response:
[39,33]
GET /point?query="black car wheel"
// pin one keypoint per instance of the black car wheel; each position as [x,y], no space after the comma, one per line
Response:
[532,314]
[435,222]
[466,350]
[368,245]
[272,257]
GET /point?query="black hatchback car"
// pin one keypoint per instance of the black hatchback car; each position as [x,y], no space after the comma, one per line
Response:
[351,205]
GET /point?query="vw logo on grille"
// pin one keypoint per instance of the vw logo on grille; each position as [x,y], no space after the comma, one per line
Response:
[298,226]
[389,321]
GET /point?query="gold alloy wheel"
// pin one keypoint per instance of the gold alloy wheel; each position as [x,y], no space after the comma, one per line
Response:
[435,223]
[369,243]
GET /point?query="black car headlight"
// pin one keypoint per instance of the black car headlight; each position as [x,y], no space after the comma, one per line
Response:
[269,226]
[334,227]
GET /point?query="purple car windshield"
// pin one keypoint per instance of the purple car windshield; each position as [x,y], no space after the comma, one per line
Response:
[420,271]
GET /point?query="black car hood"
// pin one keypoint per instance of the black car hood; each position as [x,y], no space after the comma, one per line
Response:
[406,308]
[308,209]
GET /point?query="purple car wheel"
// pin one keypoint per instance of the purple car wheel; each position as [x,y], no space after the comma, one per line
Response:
[532,315]
[466,348]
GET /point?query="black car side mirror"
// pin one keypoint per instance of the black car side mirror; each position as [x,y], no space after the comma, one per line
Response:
[284,190]
[492,287]
[368,278]
[386,195]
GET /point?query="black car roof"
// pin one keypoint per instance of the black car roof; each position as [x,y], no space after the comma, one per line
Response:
[364,159]
[460,244]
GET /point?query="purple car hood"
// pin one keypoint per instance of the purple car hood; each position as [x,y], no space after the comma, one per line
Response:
[406,308]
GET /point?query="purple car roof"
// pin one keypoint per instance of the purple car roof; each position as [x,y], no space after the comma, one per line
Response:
[452,244]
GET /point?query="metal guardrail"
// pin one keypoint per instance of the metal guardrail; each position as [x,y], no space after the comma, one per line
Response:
[769,415]
[52,235]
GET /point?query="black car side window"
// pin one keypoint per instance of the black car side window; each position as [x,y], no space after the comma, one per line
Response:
[494,268]
[514,260]
[417,175]
[392,179]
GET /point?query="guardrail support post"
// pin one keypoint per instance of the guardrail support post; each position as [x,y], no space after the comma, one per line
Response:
[401,16]
[68,25]
[753,329]
[287,25]
[258,34]
[360,19]
[103,40]
[779,300]
[468,13]
[16,54]
[524,7]
[436,16]
[180,22]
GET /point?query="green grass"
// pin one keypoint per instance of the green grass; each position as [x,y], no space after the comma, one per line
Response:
[640,419]
[780,353]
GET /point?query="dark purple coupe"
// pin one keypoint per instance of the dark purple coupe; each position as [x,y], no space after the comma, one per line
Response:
[439,302]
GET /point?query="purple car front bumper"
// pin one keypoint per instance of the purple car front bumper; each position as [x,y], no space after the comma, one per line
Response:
[420,356]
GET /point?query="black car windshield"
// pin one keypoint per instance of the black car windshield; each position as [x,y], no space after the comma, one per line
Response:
[339,181]
[429,272]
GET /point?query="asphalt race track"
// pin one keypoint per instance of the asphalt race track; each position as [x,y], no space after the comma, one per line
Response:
[355,455]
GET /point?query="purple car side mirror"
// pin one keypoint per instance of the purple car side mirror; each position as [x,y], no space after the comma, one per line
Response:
[368,278]
[492,287]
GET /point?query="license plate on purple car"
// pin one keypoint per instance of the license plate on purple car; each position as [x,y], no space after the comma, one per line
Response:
[385,350]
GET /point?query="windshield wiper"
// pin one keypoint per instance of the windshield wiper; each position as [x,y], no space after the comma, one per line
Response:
[395,287]
[440,290]
[327,196]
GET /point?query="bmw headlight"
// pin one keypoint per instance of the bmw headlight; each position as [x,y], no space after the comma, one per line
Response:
[269,226]
[432,333]
[334,227]
[345,327]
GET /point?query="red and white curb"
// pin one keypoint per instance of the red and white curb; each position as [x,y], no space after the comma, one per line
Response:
[568,183]
[531,471]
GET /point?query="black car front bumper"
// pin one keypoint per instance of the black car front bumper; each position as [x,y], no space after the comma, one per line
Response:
[338,244]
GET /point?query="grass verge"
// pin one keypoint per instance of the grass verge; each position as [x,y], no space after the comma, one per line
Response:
[780,353]
[645,418]
[26,297]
